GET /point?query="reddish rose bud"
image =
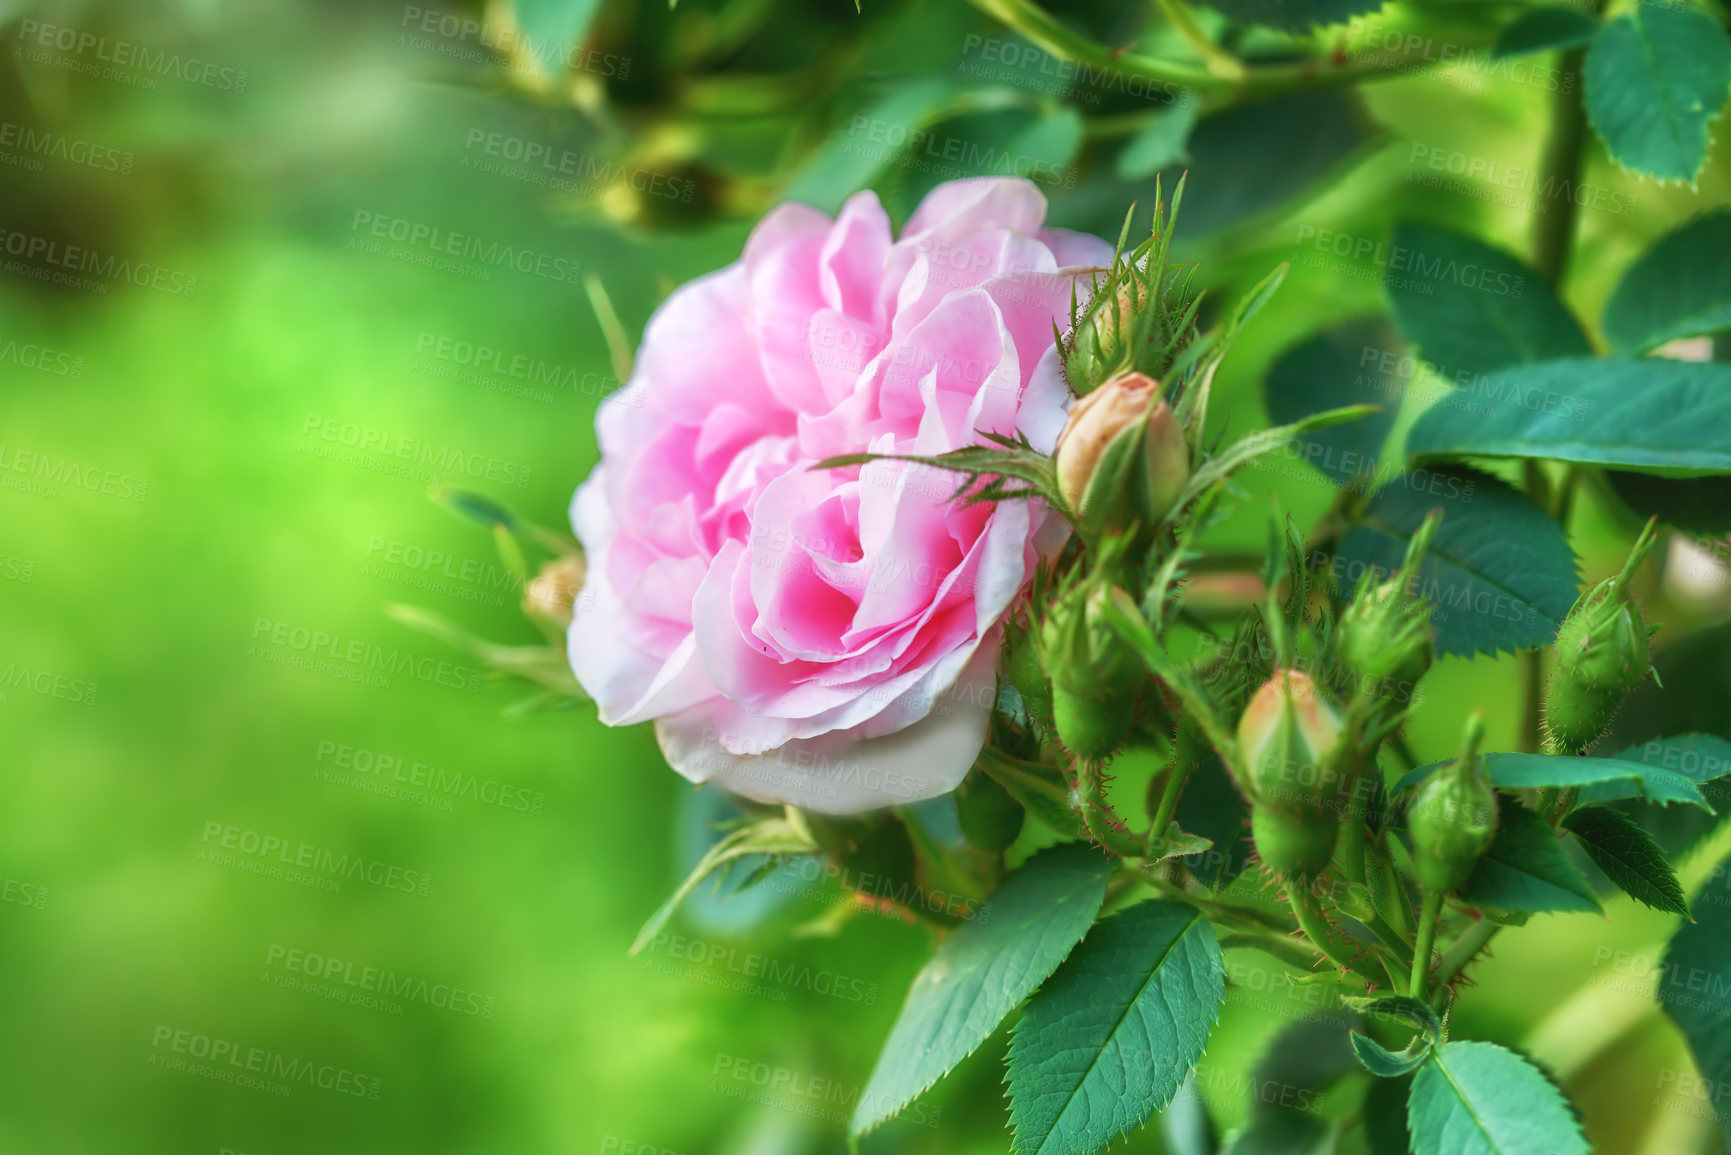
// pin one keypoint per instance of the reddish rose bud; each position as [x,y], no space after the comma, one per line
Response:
[1122,456]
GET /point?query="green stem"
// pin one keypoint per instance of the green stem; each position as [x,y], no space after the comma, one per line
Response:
[1560,169]
[1259,82]
[1463,951]
[1176,777]
[1426,937]
[1099,819]
[1315,926]
[1219,61]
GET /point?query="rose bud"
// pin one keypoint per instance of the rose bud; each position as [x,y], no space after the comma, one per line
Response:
[1100,344]
[1452,820]
[1122,456]
[1094,676]
[552,593]
[1287,739]
[1386,635]
[1602,652]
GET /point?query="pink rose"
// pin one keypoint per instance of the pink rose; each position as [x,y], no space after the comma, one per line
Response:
[826,637]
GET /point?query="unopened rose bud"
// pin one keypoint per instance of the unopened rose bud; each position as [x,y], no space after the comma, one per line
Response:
[552,593]
[1602,652]
[1452,819]
[1287,740]
[1122,456]
[1093,676]
[1385,635]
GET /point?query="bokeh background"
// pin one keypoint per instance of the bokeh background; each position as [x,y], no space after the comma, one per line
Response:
[193,444]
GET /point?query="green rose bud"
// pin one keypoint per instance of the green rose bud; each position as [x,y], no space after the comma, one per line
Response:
[1099,346]
[1385,635]
[1094,677]
[1288,738]
[1452,819]
[1122,457]
[1602,652]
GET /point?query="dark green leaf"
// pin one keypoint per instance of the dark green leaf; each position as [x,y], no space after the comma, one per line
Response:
[1385,1116]
[1526,869]
[1185,1125]
[982,972]
[1651,415]
[1285,1133]
[1628,856]
[1410,1012]
[989,817]
[1655,79]
[1479,1099]
[1326,372]
[1695,984]
[1500,571]
[1515,771]
[1212,807]
[1545,29]
[1020,141]
[1681,287]
[1301,1064]
[1471,308]
[1113,1036]
[1696,504]
[1160,143]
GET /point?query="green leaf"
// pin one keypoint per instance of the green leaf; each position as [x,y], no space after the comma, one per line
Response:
[988,816]
[1387,1064]
[1479,1099]
[1385,1116]
[1285,1133]
[1681,287]
[1212,807]
[1629,857]
[1293,15]
[853,157]
[1651,415]
[1653,779]
[1472,308]
[1544,30]
[1307,1058]
[1655,79]
[1160,143]
[1040,789]
[1378,1059]
[1695,758]
[774,836]
[1113,1036]
[553,27]
[1325,373]
[981,972]
[1500,571]
[1526,869]
[1694,504]
[1695,985]
[996,465]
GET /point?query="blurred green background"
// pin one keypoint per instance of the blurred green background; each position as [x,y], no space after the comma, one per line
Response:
[179,504]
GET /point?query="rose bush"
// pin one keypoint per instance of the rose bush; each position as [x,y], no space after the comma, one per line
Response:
[827,637]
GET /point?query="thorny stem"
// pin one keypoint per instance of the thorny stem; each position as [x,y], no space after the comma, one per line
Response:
[1259,81]
[1176,776]
[1464,950]
[1219,61]
[1314,923]
[1426,938]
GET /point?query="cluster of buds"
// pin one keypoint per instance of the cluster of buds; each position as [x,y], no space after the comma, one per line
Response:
[1289,739]
[1452,819]
[1122,459]
[1602,652]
